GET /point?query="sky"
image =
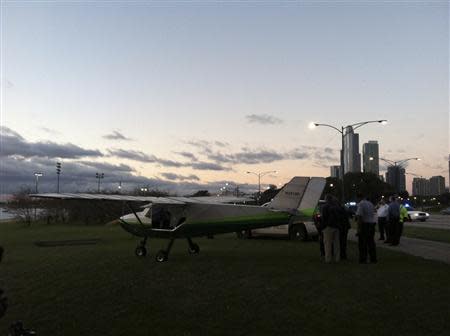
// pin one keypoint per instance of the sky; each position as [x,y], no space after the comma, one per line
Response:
[182,95]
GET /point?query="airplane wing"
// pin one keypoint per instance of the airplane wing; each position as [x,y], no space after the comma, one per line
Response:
[149,199]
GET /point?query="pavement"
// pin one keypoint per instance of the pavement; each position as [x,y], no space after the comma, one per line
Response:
[426,249]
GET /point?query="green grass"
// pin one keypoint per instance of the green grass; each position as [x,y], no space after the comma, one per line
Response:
[439,235]
[234,287]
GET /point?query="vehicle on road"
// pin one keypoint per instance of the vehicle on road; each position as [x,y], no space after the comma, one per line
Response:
[414,215]
[445,211]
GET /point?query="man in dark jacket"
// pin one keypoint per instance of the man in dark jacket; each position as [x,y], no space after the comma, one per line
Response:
[344,226]
[330,223]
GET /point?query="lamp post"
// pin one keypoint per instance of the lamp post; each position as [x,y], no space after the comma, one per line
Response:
[236,188]
[58,172]
[37,175]
[99,176]
[261,174]
[343,133]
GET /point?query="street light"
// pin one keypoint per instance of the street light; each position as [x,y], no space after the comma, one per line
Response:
[99,176]
[261,174]
[343,132]
[236,188]
[37,175]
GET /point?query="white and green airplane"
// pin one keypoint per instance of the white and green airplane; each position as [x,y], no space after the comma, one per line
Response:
[188,217]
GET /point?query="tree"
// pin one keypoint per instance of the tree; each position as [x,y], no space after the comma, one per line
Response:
[268,194]
[201,193]
[22,206]
[366,183]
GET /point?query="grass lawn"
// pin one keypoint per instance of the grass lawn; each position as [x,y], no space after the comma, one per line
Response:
[233,287]
[439,235]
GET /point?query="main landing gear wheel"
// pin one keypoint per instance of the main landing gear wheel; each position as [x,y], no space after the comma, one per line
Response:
[161,256]
[298,232]
[194,249]
[140,251]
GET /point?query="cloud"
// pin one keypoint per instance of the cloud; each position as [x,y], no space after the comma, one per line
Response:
[13,144]
[187,155]
[263,119]
[116,135]
[50,131]
[173,177]
[142,157]
[132,155]
[255,156]
[208,166]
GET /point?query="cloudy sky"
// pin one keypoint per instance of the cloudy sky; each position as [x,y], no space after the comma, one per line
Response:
[179,95]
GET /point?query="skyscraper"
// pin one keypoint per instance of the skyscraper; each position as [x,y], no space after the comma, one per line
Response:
[352,158]
[335,171]
[371,160]
[437,185]
[420,186]
[395,176]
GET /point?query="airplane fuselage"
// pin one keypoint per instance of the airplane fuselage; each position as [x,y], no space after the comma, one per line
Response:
[193,220]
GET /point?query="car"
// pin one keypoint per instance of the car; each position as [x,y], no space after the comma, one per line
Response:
[414,215]
[445,211]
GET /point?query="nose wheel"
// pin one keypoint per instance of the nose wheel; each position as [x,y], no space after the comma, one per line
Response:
[140,250]
[193,247]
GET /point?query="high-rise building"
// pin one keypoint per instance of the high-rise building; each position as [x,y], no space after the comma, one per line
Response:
[335,171]
[395,176]
[437,185]
[371,159]
[352,158]
[420,186]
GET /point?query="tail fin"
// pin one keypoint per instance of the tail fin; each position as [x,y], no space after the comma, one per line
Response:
[311,196]
[290,196]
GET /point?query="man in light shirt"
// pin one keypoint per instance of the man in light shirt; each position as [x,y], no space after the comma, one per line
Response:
[366,230]
[382,212]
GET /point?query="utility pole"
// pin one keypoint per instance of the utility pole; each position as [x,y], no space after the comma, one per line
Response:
[58,172]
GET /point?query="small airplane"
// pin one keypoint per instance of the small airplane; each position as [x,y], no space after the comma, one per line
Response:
[188,217]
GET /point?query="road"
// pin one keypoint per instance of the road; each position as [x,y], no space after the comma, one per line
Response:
[434,222]
[417,247]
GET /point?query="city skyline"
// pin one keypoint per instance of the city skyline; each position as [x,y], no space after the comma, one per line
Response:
[199,94]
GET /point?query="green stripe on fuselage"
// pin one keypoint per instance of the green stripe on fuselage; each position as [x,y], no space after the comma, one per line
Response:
[212,226]
[233,224]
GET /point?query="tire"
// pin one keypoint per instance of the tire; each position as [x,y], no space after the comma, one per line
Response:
[161,256]
[244,234]
[140,251]
[194,249]
[298,232]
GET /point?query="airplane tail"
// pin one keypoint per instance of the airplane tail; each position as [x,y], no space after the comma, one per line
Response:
[312,196]
[289,197]
[301,193]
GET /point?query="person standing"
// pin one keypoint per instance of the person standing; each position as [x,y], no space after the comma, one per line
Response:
[366,230]
[344,226]
[394,221]
[330,223]
[382,212]
[403,217]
